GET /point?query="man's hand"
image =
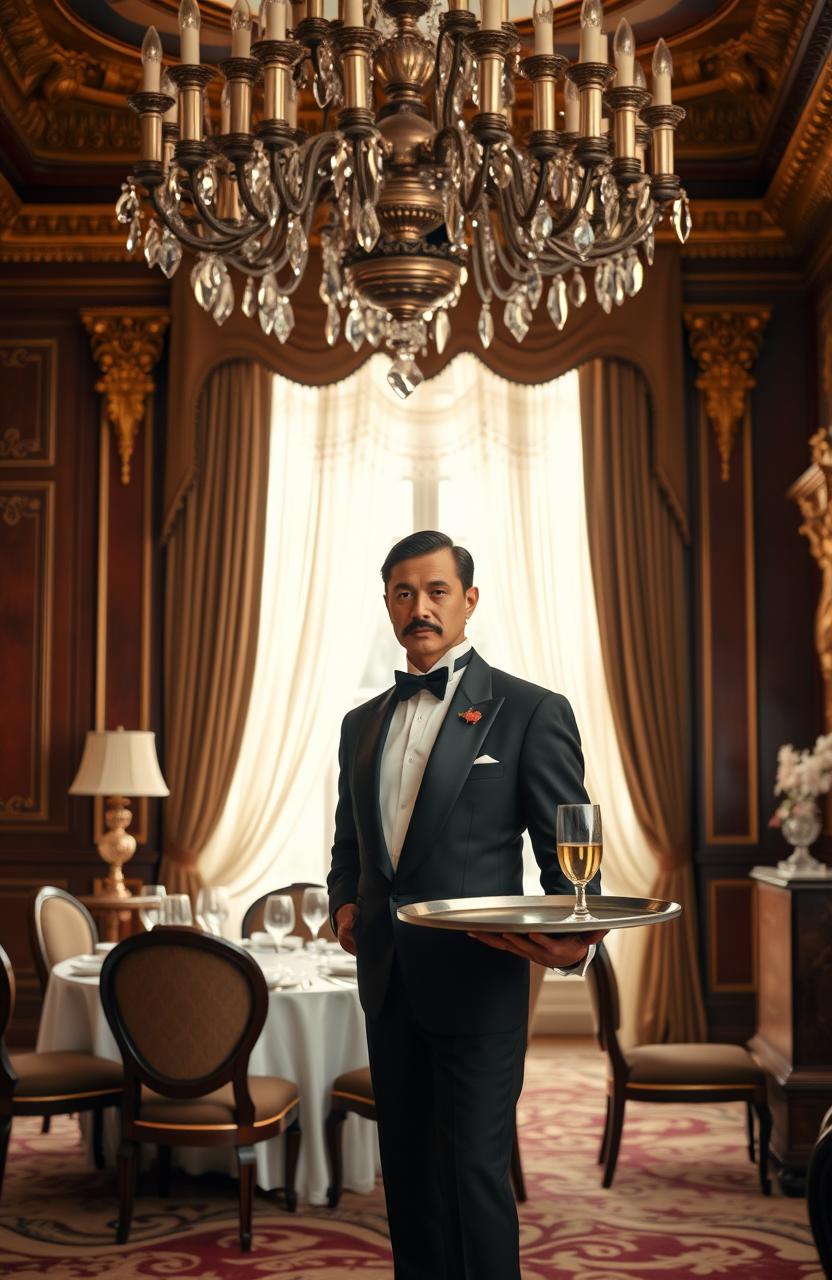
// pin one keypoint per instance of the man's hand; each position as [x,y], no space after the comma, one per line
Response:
[553,950]
[345,918]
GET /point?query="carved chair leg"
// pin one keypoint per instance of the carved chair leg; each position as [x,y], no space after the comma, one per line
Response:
[98,1137]
[764,1121]
[618,1102]
[334,1125]
[518,1181]
[605,1136]
[292,1152]
[165,1155]
[247,1167]
[45,1124]
[749,1117]
[5,1134]
[127,1162]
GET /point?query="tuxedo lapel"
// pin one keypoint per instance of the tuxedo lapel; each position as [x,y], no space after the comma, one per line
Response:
[455,750]
[367,774]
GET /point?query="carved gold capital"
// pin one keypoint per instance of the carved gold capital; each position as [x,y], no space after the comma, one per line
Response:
[813,494]
[725,344]
[126,344]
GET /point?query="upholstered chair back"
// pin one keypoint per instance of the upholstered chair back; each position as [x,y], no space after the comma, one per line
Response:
[185,1008]
[60,927]
[7,992]
[253,918]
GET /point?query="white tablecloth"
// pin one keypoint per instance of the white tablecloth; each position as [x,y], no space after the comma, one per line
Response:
[310,1036]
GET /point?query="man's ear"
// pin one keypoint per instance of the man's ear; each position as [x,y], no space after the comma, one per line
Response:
[386,605]
[472,596]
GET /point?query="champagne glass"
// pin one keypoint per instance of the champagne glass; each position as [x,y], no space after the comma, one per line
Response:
[176,909]
[314,909]
[580,848]
[151,916]
[279,917]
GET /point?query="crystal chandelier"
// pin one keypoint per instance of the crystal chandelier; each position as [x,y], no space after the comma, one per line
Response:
[414,181]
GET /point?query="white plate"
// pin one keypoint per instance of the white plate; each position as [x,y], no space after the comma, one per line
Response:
[85,969]
[538,914]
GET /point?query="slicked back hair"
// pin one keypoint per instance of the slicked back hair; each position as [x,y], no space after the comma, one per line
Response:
[421,544]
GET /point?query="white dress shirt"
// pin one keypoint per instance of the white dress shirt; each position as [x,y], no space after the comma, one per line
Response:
[413,731]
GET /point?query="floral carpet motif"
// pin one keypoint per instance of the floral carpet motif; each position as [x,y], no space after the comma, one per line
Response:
[685,1203]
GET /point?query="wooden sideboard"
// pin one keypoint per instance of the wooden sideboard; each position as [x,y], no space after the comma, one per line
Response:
[793,1040]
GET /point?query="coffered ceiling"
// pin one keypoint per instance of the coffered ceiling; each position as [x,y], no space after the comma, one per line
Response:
[755,150]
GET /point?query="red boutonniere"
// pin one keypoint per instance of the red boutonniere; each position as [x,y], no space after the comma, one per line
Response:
[470,716]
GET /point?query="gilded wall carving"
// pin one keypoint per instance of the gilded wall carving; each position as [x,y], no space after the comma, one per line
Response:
[126,345]
[725,344]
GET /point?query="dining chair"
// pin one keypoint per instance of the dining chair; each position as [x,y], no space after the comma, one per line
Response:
[186,1009]
[59,927]
[352,1091]
[50,1084]
[671,1073]
[819,1193]
[253,918]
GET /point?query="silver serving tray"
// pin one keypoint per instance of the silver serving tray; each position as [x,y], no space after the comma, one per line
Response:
[538,914]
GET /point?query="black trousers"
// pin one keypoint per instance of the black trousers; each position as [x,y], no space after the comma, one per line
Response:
[446,1106]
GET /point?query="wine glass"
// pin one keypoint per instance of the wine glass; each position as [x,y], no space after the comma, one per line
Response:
[580,848]
[212,908]
[176,909]
[279,917]
[314,908]
[151,916]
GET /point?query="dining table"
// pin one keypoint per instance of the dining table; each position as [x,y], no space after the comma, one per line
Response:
[314,1031]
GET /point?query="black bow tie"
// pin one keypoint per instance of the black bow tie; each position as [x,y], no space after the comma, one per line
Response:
[436,682]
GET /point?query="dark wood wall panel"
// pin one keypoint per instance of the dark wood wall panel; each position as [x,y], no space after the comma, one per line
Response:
[50,440]
[26,589]
[731,912]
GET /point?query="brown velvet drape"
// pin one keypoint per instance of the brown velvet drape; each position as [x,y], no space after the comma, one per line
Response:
[637,553]
[212,609]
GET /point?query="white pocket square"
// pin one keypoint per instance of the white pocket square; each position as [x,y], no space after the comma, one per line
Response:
[486,760]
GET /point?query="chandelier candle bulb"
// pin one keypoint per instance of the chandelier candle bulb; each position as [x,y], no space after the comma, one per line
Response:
[273,20]
[168,87]
[624,50]
[662,76]
[593,42]
[542,17]
[492,19]
[189,24]
[241,30]
[354,13]
[151,61]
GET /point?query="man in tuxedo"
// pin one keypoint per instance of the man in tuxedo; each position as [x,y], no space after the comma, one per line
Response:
[439,777]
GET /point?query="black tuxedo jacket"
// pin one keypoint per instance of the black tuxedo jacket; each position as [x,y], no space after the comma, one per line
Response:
[464,840]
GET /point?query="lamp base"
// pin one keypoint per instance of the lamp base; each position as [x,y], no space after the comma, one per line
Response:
[117,846]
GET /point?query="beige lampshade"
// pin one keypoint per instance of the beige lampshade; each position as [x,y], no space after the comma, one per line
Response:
[119,762]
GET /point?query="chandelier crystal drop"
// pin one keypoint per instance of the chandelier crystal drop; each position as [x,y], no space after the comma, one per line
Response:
[413,178]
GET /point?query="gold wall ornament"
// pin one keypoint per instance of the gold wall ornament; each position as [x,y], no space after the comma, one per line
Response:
[725,344]
[126,344]
[813,494]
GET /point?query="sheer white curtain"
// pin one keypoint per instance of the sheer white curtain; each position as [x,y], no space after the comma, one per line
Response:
[504,464]
[328,477]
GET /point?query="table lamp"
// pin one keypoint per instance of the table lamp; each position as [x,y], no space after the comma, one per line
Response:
[118,763]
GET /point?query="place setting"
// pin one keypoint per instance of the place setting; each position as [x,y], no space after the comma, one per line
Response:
[287,963]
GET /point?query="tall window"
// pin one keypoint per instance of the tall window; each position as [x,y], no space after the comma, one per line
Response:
[495,465]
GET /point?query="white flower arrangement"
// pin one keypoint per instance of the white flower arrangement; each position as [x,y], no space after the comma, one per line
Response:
[802,776]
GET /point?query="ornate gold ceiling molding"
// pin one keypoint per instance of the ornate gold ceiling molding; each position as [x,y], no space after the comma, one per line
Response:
[813,494]
[57,232]
[126,345]
[801,190]
[734,229]
[725,343]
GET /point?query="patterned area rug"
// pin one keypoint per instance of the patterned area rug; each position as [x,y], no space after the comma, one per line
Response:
[685,1202]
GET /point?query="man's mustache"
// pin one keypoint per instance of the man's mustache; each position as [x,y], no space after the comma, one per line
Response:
[421,625]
